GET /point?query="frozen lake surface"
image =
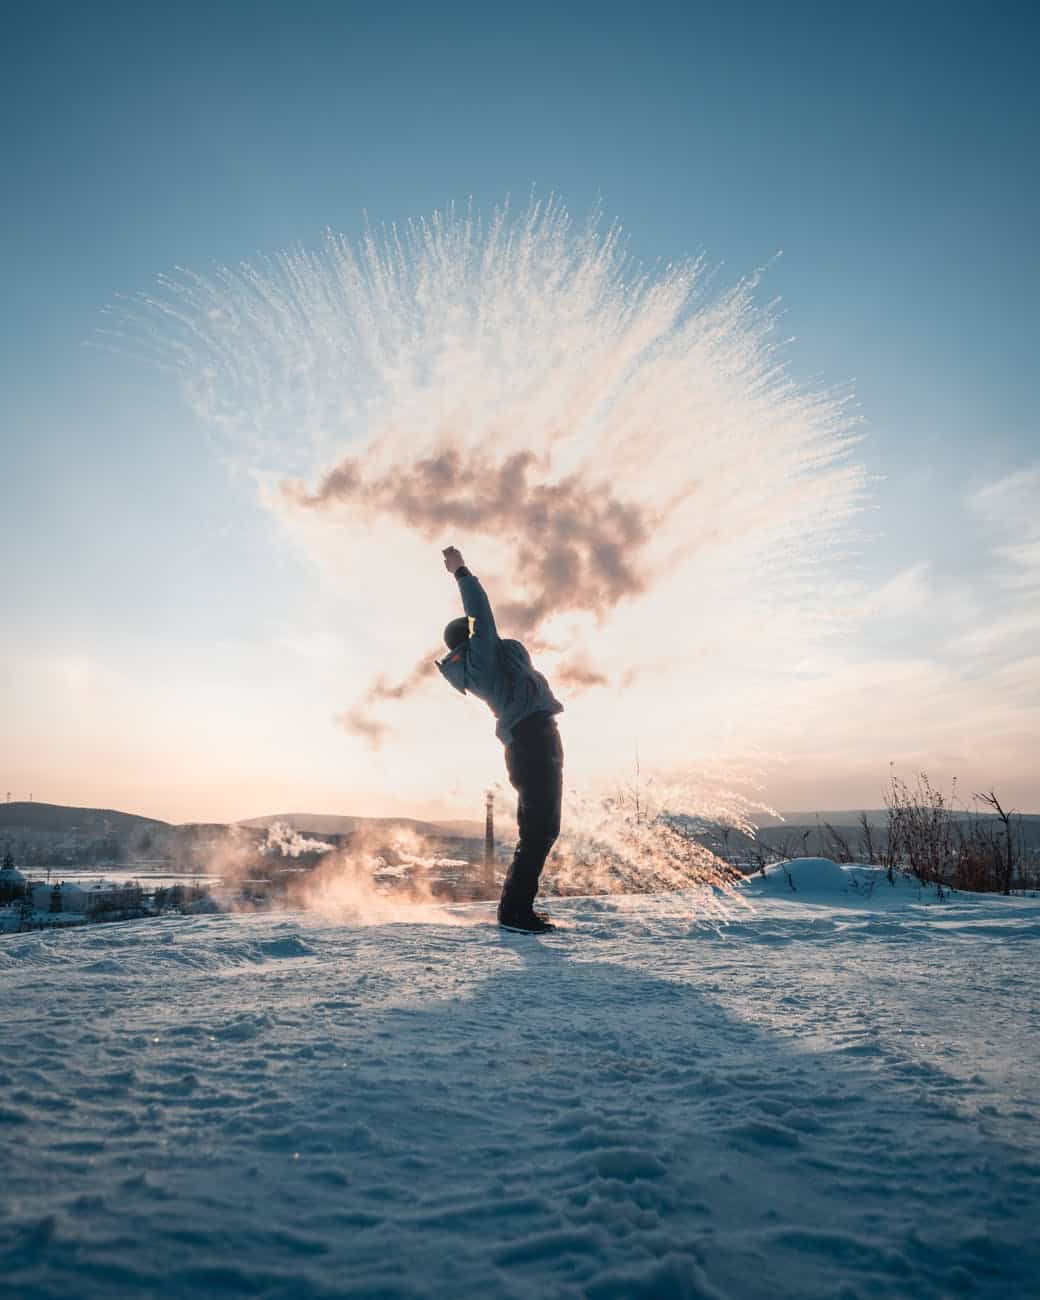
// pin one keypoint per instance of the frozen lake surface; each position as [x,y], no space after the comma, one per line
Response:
[833,1095]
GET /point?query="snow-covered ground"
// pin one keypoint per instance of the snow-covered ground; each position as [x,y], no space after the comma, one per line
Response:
[833,1095]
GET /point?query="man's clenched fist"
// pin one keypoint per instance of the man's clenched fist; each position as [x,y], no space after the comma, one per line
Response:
[452,558]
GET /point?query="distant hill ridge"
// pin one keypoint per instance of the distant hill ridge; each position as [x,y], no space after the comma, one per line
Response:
[58,818]
[851,817]
[53,818]
[331,824]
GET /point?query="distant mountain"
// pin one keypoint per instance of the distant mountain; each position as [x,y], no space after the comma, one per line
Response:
[62,819]
[44,834]
[40,834]
[329,824]
[846,817]
[843,817]
[829,834]
[57,818]
[473,829]
[47,834]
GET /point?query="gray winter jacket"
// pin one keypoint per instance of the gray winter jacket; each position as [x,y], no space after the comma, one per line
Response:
[498,672]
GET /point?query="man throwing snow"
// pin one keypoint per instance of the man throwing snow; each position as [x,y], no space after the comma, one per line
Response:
[501,674]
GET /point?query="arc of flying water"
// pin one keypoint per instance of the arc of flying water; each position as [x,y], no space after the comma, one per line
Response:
[633,395]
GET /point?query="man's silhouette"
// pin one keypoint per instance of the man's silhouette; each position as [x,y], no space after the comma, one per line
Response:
[501,674]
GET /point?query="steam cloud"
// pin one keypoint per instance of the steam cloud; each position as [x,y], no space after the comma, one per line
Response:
[290,843]
[383,875]
[577,547]
[357,722]
[579,675]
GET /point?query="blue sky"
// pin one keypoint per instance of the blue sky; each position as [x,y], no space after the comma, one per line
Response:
[888,149]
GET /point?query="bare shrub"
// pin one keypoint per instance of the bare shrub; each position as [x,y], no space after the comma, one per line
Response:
[835,845]
[867,839]
[920,834]
[990,853]
[973,850]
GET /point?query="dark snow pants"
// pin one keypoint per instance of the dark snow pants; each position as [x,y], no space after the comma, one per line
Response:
[534,760]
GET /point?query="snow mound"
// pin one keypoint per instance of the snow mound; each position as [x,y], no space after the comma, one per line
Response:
[819,880]
[806,876]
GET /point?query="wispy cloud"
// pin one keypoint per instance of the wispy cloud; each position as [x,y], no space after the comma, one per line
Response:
[1009,511]
[1007,584]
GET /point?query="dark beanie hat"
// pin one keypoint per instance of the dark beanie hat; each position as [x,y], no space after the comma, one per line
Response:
[456,632]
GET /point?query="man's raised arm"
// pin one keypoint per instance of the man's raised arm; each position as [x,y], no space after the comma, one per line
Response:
[484,634]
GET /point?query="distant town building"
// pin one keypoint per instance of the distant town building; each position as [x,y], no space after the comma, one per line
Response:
[59,897]
[12,882]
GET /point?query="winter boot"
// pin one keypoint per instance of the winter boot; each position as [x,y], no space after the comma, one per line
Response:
[529,923]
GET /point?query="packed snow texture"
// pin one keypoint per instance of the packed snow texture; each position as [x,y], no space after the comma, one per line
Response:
[832,1095]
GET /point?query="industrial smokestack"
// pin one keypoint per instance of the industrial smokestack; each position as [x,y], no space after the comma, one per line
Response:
[489,840]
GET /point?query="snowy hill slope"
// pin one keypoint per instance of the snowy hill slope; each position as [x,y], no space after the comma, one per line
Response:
[832,1095]
[325,824]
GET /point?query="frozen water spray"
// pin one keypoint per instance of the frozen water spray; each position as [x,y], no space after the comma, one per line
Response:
[651,496]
